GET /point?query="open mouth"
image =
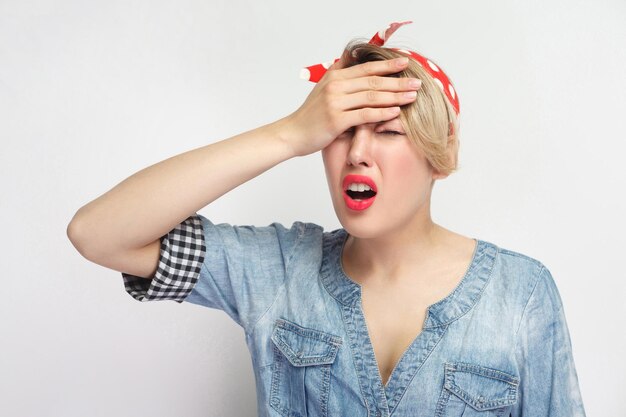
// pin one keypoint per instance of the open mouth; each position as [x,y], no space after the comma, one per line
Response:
[359,191]
[359,200]
[361,195]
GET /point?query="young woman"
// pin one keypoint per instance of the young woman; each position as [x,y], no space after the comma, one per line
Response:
[391,314]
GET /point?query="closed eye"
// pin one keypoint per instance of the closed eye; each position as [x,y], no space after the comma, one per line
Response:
[347,135]
[384,132]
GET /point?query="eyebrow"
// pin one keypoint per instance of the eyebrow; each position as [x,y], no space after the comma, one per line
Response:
[391,123]
[396,119]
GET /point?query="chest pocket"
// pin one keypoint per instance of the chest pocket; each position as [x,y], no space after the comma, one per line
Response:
[472,390]
[301,369]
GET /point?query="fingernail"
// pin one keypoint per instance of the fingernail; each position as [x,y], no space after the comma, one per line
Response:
[410,94]
[415,83]
[401,61]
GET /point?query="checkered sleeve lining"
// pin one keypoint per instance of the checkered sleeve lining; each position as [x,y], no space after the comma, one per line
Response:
[182,253]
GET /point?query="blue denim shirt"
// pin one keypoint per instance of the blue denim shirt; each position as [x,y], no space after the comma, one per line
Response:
[497,345]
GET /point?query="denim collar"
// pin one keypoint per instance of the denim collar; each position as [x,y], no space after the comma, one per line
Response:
[443,312]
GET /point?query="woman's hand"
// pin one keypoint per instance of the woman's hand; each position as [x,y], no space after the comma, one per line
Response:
[347,97]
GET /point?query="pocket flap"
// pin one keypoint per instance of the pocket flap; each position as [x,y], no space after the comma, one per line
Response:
[480,387]
[304,346]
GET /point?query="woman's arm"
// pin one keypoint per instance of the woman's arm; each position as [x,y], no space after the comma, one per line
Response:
[123,226]
[147,205]
[549,382]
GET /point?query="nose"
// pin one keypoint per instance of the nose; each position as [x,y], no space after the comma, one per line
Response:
[360,152]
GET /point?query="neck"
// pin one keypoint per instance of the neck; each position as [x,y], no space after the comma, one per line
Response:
[395,254]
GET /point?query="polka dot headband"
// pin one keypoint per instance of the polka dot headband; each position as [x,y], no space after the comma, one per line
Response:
[314,73]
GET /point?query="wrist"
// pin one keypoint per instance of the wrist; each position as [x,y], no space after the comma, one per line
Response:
[281,131]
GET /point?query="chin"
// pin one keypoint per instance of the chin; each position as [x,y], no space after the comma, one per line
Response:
[361,227]
[375,224]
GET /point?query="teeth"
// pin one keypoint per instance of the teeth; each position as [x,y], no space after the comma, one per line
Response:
[359,187]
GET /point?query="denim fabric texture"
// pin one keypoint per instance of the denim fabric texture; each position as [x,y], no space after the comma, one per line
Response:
[497,345]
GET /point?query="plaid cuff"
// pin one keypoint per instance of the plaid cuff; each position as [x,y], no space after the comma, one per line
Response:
[182,254]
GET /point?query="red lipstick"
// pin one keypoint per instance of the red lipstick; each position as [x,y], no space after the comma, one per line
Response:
[360,179]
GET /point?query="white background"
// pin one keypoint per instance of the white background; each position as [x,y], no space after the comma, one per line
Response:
[92,92]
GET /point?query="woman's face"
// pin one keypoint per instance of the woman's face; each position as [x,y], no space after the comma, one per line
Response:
[401,176]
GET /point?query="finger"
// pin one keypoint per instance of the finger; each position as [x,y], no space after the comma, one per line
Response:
[370,115]
[336,65]
[387,66]
[371,98]
[378,83]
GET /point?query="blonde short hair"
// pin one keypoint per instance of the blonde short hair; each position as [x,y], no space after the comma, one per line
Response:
[427,119]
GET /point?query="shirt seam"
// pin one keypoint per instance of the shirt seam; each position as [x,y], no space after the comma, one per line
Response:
[282,286]
[444,330]
[509,252]
[532,293]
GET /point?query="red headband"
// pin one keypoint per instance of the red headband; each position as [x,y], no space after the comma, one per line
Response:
[314,73]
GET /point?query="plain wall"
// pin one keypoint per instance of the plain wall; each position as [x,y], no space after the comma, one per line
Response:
[92,92]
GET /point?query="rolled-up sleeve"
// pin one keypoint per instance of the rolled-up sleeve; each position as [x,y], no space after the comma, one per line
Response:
[548,378]
[180,261]
[237,269]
